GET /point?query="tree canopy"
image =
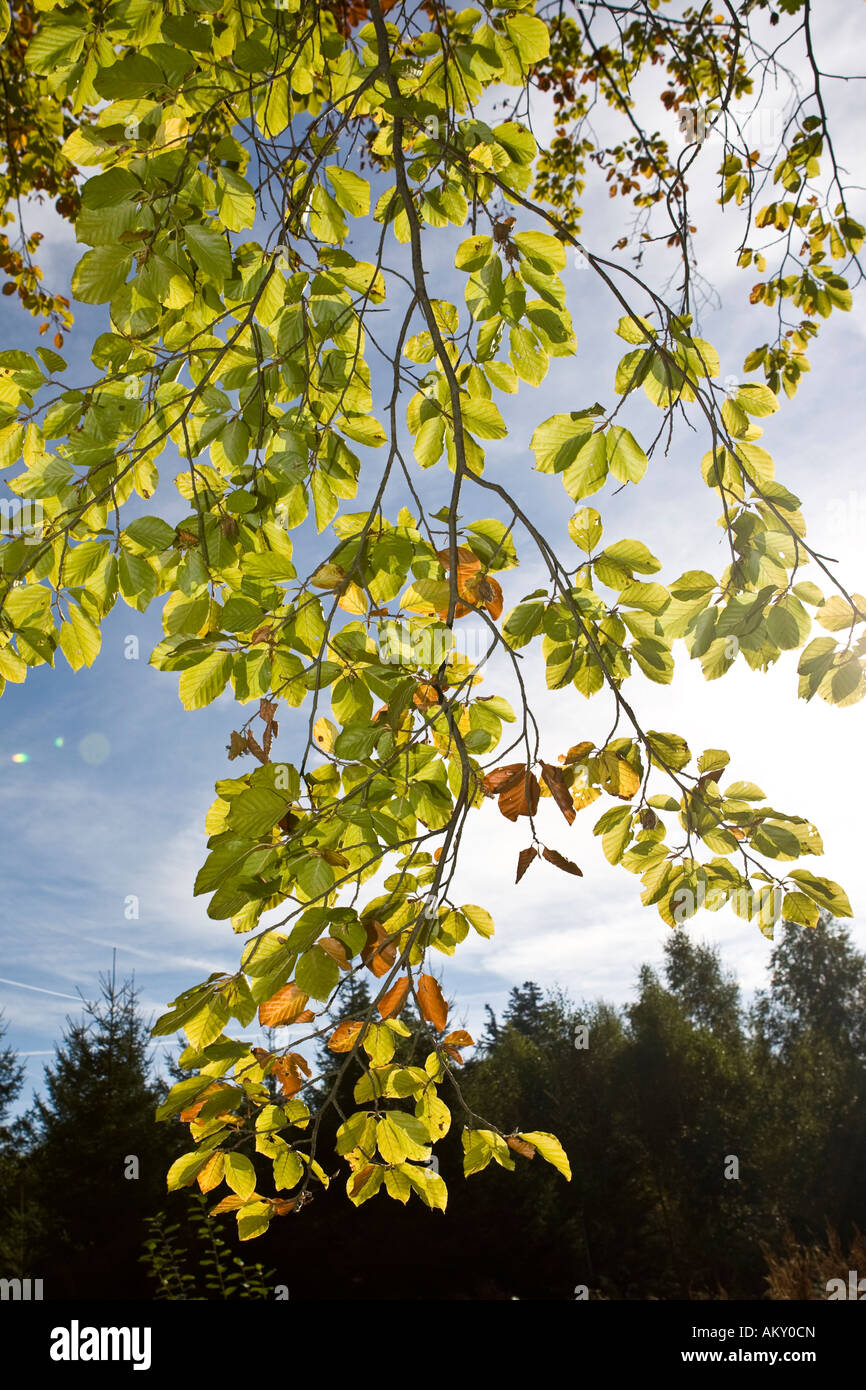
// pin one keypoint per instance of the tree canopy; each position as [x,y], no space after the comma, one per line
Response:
[218,158]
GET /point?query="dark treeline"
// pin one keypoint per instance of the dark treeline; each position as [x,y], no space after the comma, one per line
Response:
[718,1151]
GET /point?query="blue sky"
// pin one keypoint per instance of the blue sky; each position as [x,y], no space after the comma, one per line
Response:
[117,811]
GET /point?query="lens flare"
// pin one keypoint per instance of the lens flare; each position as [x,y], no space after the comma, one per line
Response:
[20,757]
[58,743]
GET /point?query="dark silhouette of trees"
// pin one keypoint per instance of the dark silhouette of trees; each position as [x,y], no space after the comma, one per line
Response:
[709,1141]
[94,1160]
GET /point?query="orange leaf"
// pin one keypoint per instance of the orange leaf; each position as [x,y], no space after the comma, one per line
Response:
[483,591]
[284,1007]
[344,1036]
[520,1146]
[453,1053]
[524,859]
[230,1203]
[465,560]
[460,1038]
[425,696]
[281,1206]
[431,1002]
[522,799]
[391,1003]
[288,1071]
[559,790]
[501,779]
[559,860]
[379,954]
[212,1172]
[475,587]
[192,1110]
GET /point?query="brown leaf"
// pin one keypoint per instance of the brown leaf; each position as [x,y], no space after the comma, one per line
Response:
[284,1007]
[559,790]
[255,748]
[391,1003]
[522,799]
[376,955]
[559,860]
[344,1036]
[237,747]
[524,859]
[431,1002]
[520,1146]
[460,1038]
[453,1053]
[501,779]
[336,950]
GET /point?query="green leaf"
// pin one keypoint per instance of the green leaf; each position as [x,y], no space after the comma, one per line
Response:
[757,399]
[482,1145]
[317,973]
[550,1149]
[201,684]
[254,813]
[137,580]
[253,1220]
[80,639]
[210,252]
[350,190]
[824,892]
[479,917]
[634,555]
[531,38]
[589,471]
[186,1169]
[151,533]
[100,274]
[288,1169]
[585,528]
[541,250]
[799,908]
[240,1175]
[627,460]
[473,253]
